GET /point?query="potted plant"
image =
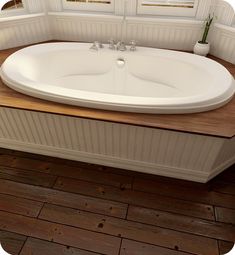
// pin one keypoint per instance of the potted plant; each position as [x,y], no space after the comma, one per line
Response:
[202,47]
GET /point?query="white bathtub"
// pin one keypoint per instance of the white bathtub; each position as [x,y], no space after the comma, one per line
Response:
[148,80]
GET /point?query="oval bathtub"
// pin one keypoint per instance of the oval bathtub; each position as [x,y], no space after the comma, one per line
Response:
[148,80]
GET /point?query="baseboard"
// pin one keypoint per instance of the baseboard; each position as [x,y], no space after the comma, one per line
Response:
[144,167]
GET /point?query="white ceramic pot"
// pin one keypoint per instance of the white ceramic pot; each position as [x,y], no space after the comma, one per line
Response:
[201,49]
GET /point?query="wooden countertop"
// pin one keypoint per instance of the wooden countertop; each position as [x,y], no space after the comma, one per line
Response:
[219,122]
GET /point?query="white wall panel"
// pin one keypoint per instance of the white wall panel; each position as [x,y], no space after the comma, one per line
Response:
[224,13]
[204,8]
[162,33]
[147,32]
[26,30]
[35,6]
[223,43]
[55,5]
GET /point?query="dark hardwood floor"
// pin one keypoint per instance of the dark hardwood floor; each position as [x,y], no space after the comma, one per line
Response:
[52,206]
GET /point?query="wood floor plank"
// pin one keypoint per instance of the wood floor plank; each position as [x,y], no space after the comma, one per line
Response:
[130,230]
[58,233]
[92,175]
[136,198]
[11,242]
[225,247]
[25,176]
[206,196]
[224,187]
[47,195]
[27,164]
[165,216]
[228,175]
[80,171]
[225,215]
[41,247]
[130,247]
[20,205]
[182,223]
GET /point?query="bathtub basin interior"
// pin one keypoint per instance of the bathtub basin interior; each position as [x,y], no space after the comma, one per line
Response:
[148,80]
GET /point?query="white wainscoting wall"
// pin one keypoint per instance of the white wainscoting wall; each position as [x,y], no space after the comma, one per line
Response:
[224,13]
[26,29]
[47,20]
[180,34]
[223,42]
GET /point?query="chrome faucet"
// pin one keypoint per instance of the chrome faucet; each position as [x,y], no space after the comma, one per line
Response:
[133,45]
[112,44]
[121,44]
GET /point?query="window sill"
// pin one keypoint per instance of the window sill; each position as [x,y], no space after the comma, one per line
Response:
[86,15]
[133,19]
[21,17]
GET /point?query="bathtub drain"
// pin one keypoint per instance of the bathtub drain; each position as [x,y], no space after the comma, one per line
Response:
[120,62]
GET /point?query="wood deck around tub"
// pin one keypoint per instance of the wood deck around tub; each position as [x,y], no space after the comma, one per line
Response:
[220,122]
[51,206]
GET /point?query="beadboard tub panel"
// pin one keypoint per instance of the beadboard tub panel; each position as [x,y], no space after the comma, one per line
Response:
[156,151]
[225,157]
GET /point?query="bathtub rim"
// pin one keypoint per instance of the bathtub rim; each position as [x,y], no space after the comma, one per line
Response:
[217,123]
[163,108]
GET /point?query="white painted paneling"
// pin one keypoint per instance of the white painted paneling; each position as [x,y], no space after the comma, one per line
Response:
[25,30]
[156,151]
[224,13]
[28,30]
[131,7]
[35,6]
[204,8]
[55,5]
[227,152]
[154,32]
[180,35]
[223,43]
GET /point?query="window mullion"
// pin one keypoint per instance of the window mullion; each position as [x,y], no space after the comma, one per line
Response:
[131,7]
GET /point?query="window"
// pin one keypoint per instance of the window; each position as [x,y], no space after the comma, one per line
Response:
[89,5]
[12,7]
[186,8]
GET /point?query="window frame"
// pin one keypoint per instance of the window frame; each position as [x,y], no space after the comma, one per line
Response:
[167,11]
[15,12]
[99,7]
[117,7]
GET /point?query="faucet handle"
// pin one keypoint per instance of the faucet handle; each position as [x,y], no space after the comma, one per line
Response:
[111,44]
[121,46]
[133,45]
